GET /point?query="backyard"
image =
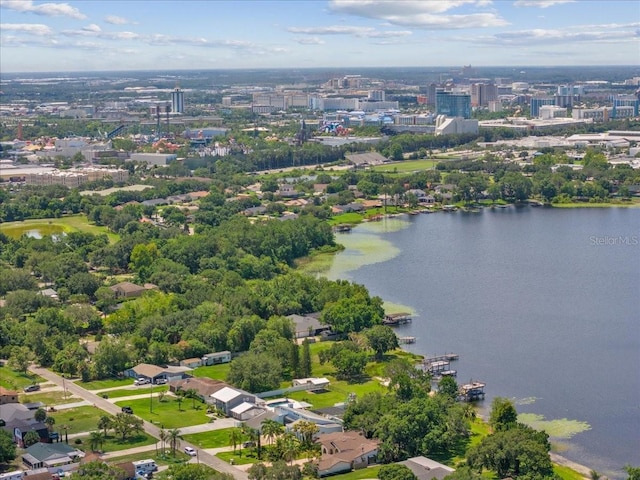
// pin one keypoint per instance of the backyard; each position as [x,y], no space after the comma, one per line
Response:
[168,413]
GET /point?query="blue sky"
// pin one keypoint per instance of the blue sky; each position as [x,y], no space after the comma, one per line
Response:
[49,36]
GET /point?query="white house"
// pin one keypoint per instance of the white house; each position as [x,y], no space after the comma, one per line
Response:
[228,398]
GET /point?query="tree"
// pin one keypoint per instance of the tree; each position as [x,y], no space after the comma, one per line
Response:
[98,470]
[448,387]
[192,471]
[288,446]
[272,429]
[30,438]
[40,415]
[111,357]
[503,414]
[174,440]
[105,423]
[349,363]
[96,440]
[306,431]
[255,372]
[352,314]
[20,359]
[7,447]
[192,393]
[395,471]
[381,339]
[633,472]
[235,437]
[50,422]
[125,424]
[305,361]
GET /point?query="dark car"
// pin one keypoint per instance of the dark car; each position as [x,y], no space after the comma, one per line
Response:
[127,410]
[32,388]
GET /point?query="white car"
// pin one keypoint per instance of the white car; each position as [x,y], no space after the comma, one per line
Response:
[141,381]
[190,451]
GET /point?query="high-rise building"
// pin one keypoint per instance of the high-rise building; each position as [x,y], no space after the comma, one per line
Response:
[537,102]
[453,104]
[625,101]
[177,101]
[483,93]
[376,95]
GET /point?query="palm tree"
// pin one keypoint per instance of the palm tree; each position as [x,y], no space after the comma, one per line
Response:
[179,399]
[174,440]
[272,429]
[192,393]
[105,423]
[235,437]
[163,438]
[307,431]
[96,439]
[289,446]
[50,422]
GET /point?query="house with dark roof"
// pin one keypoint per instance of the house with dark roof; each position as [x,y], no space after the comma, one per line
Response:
[154,372]
[128,290]
[308,325]
[205,387]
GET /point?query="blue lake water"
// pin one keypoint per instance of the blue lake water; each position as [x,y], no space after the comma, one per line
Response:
[541,304]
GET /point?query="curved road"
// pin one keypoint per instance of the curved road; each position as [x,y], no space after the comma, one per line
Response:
[107,406]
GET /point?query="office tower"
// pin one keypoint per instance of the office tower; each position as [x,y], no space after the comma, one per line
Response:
[177,101]
[483,93]
[453,104]
[537,102]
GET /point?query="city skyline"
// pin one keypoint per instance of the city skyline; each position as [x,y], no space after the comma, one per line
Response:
[48,36]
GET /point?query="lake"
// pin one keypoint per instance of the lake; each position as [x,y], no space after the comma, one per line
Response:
[542,304]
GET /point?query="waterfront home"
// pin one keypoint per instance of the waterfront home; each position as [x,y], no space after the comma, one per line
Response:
[345,451]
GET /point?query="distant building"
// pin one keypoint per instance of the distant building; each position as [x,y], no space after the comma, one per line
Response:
[455,125]
[483,93]
[453,104]
[177,101]
[537,102]
[154,159]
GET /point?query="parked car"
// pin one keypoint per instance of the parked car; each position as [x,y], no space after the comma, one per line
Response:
[127,410]
[190,451]
[248,444]
[161,381]
[142,381]
[32,388]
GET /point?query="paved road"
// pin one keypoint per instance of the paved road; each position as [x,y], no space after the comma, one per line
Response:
[107,406]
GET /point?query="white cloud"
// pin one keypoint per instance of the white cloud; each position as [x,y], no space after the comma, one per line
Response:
[92,28]
[540,3]
[573,34]
[47,9]
[310,41]
[116,20]
[421,13]
[362,32]
[29,28]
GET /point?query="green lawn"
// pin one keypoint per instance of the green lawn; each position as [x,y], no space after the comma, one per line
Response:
[565,473]
[13,380]
[217,372]
[47,226]
[212,439]
[166,413]
[406,166]
[49,398]
[113,444]
[248,456]
[371,472]
[80,419]
[108,383]
[136,391]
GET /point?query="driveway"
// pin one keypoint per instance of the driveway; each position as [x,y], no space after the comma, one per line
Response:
[107,406]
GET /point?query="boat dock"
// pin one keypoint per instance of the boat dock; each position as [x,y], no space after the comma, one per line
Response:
[471,392]
[449,357]
[394,319]
[405,340]
[343,227]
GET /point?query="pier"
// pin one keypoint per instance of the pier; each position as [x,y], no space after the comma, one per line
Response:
[343,227]
[449,357]
[405,340]
[471,392]
[395,319]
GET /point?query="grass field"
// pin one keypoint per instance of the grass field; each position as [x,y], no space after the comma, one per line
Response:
[565,473]
[108,383]
[371,472]
[166,413]
[49,398]
[47,226]
[13,380]
[212,439]
[633,204]
[248,456]
[113,443]
[80,419]
[136,391]
[406,166]
[217,372]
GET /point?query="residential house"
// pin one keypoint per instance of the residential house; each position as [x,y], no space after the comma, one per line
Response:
[154,373]
[287,190]
[308,325]
[216,358]
[253,211]
[257,421]
[191,362]
[8,396]
[18,420]
[124,290]
[50,455]
[49,292]
[291,415]
[313,384]
[349,207]
[246,411]
[426,469]
[345,451]
[228,398]
[204,386]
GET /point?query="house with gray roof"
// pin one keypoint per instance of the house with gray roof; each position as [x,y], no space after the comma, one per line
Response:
[426,469]
[49,455]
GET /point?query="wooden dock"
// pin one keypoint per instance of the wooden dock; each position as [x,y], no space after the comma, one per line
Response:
[395,319]
[471,392]
[449,357]
[405,340]
[343,227]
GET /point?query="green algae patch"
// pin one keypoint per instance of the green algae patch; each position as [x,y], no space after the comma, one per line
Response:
[390,307]
[557,428]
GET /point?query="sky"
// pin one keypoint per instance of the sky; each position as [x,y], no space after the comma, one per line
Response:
[103,35]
